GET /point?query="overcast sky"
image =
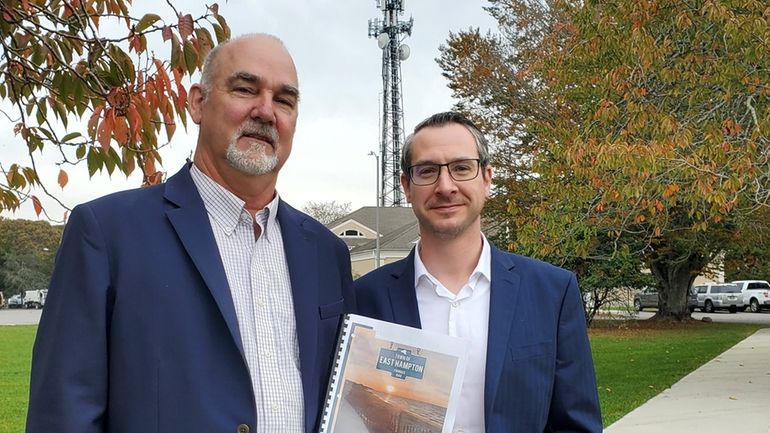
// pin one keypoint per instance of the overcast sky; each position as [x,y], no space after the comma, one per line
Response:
[340,80]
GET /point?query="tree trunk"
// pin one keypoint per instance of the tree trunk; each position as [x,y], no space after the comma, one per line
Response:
[675,276]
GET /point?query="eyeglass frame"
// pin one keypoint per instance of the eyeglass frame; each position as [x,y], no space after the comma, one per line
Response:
[440,166]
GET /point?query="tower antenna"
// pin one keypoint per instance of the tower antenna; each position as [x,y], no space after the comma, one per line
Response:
[390,33]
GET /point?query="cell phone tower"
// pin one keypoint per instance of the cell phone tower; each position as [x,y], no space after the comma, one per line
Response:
[390,33]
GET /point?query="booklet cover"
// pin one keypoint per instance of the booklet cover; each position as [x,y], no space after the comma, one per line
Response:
[391,378]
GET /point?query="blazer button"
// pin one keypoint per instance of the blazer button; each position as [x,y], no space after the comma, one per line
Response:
[242,428]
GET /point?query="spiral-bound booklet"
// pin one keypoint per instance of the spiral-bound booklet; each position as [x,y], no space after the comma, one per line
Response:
[390,378]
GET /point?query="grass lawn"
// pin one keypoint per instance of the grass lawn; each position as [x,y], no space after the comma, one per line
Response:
[638,359]
[634,362]
[15,354]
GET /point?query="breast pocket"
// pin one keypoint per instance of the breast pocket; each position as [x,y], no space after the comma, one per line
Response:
[332,310]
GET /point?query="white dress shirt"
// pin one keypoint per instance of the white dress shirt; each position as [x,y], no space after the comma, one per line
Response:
[258,276]
[464,315]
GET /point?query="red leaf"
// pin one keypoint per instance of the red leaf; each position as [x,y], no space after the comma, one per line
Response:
[181,102]
[185,26]
[105,130]
[149,166]
[166,32]
[36,204]
[135,43]
[121,131]
[134,121]
[93,121]
[63,178]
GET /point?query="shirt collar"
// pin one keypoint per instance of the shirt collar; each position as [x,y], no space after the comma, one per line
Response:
[483,267]
[225,207]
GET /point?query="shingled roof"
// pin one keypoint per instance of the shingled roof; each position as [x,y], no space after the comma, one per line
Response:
[398,228]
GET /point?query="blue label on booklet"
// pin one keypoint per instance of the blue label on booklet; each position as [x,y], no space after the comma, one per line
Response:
[401,363]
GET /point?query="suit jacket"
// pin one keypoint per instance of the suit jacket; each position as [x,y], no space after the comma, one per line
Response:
[139,332]
[539,370]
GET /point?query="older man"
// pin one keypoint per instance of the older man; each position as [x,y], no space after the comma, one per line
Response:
[530,367]
[206,304]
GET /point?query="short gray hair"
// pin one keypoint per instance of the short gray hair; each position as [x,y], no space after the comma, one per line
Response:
[209,64]
[441,119]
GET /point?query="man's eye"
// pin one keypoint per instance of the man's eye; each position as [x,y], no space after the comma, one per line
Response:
[428,170]
[286,101]
[243,90]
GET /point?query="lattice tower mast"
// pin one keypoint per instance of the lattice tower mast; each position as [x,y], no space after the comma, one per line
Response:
[390,33]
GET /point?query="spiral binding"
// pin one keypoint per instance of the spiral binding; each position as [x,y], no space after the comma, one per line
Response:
[342,342]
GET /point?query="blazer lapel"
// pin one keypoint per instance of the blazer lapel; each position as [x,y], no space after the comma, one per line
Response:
[504,292]
[192,225]
[403,296]
[302,259]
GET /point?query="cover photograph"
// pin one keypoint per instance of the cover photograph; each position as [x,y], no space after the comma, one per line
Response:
[390,378]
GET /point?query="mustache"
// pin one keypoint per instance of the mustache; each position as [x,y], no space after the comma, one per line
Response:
[263,131]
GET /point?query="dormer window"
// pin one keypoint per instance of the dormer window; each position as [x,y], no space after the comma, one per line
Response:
[351,234]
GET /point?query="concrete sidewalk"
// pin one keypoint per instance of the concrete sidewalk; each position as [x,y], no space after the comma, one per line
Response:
[729,394]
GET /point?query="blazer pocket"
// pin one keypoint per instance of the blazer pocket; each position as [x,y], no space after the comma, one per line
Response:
[335,309]
[528,351]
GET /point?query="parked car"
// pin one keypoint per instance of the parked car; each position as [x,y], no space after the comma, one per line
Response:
[719,296]
[692,299]
[15,301]
[647,298]
[756,294]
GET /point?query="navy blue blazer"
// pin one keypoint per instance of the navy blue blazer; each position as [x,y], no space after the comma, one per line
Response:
[139,332]
[539,370]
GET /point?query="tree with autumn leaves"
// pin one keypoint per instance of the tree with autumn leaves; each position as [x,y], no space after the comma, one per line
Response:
[81,79]
[644,123]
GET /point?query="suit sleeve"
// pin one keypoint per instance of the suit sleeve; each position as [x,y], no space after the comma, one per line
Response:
[575,404]
[68,384]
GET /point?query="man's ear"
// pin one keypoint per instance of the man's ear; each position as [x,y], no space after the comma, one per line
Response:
[405,187]
[487,175]
[195,99]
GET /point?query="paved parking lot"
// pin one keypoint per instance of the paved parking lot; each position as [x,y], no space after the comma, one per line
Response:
[19,317]
[762,318]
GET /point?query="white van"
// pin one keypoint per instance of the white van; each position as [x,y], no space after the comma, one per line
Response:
[756,294]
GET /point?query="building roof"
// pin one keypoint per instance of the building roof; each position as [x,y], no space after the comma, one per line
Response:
[391,218]
[398,228]
[401,239]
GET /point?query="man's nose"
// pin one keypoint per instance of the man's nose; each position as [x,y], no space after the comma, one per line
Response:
[263,108]
[445,183]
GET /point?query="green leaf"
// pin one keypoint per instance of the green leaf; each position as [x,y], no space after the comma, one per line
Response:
[71,136]
[219,33]
[62,112]
[40,115]
[145,22]
[124,62]
[81,151]
[38,54]
[224,25]
[94,161]
[176,52]
[109,162]
[190,57]
[47,134]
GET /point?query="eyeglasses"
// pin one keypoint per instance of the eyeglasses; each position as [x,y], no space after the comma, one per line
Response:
[460,171]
